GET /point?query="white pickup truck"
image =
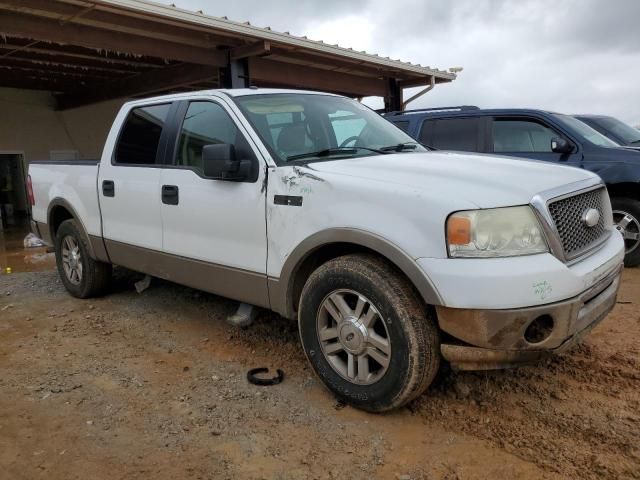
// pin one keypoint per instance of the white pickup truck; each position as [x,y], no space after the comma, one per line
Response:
[390,257]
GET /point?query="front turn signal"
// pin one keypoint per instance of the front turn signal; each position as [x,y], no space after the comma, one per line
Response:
[459,230]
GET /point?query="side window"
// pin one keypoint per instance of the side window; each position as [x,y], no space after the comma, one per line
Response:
[460,134]
[521,136]
[140,135]
[402,125]
[205,123]
[346,126]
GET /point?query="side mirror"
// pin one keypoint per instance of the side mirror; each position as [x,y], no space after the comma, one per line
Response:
[220,163]
[560,145]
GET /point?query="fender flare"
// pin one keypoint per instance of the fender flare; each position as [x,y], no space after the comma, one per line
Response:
[96,247]
[281,289]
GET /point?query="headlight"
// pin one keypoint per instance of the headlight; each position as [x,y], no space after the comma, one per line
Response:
[498,232]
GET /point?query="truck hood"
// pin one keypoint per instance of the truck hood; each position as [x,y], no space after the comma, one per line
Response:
[484,180]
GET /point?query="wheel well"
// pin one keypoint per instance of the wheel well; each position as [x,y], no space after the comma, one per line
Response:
[322,255]
[627,190]
[58,215]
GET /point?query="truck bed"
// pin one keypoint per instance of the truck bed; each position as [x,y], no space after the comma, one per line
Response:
[72,183]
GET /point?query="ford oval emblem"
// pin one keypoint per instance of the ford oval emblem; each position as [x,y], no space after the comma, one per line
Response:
[591,217]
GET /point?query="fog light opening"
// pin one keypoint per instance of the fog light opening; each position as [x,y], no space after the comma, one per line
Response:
[539,330]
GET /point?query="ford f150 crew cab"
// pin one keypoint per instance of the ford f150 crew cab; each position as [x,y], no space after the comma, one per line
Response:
[390,257]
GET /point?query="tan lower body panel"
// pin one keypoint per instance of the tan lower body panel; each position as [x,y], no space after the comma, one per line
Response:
[98,248]
[240,285]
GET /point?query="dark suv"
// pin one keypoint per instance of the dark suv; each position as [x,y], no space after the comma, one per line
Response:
[612,128]
[537,135]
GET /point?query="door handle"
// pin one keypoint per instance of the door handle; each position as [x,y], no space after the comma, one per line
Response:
[170,195]
[108,188]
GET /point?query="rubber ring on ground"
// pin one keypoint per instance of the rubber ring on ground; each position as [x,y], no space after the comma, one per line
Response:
[264,382]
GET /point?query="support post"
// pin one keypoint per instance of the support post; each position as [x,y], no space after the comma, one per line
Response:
[393,98]
[237,75]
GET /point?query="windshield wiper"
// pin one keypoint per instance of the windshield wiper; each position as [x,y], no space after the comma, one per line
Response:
[331,151]
[635,142]
[407,146]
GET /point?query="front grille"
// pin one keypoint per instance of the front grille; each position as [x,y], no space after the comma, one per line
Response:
[568,215]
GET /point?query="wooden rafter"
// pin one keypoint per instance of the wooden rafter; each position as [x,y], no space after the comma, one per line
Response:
[44,29]
[271,72]
[73,53]
[169,78]
[95,17]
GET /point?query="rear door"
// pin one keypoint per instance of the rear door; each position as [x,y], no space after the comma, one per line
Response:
[461,134]
[530,137]
[217,228]
[129,185]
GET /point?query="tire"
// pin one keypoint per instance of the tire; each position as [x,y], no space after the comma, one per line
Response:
[91,277]
[626,215]
[398,322]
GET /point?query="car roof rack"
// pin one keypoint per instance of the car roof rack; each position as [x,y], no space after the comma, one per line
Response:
[460,108]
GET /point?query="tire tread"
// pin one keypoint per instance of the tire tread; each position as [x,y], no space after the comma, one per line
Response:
[418,321]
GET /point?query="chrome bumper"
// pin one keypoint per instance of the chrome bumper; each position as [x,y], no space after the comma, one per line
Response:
[494,339]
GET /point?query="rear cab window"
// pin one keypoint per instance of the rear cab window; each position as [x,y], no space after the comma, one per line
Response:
[139,139]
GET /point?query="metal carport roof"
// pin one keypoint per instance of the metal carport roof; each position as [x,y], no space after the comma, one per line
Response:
[88,51]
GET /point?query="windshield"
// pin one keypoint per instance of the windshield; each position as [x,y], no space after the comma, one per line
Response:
[307,127]
[629,135]
[586,131]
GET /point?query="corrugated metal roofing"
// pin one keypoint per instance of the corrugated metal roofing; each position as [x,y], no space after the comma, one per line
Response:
[223,24]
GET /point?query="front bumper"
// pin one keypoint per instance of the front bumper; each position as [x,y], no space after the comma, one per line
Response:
[493,339]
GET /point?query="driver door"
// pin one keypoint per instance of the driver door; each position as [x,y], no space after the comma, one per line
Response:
[215,230]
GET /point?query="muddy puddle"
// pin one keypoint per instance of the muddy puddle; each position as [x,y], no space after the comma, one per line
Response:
[15,258]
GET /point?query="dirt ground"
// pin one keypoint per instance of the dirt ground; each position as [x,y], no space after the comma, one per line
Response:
[154,386]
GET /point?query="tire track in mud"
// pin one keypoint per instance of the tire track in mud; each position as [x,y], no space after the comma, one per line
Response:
[577,416]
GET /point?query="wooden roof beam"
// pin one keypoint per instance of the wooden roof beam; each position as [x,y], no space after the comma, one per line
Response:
[264,70]
[75,54]
[58,67]
[64,61]
[173,77]
[47,30]
[96,17]
[258,49]
[33,81]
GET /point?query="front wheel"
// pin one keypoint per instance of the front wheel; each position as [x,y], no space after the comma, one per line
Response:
[626,216]
[82,276]
[367,334]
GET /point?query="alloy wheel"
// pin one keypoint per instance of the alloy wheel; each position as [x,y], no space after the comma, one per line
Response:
[72,260]
[353,337]
[629,227]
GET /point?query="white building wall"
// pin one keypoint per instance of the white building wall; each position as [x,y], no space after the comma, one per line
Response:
[29,124]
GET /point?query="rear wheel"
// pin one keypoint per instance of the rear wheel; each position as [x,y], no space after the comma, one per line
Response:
[82,276]
[626,216]
[367,334]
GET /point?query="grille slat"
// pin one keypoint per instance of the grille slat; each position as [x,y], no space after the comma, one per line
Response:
[575,235]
